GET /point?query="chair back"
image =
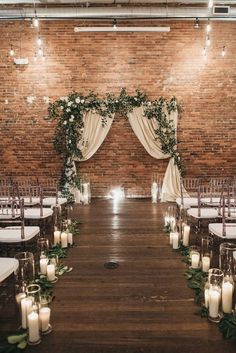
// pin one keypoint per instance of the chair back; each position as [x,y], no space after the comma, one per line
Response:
[12,213]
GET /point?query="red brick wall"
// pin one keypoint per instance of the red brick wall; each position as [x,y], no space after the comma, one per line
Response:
[161,64]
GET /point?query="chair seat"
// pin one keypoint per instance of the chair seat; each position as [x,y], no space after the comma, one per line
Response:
[7,267]
[34,213]
[188,201]
[206,213]
[217,229]
[8,217]
[51,201]
[213,201]
[13,234]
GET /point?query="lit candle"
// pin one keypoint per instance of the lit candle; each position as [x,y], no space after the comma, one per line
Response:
[154,192]
[206,263]
[214,303]
[195,258]
[172,223]
[171,238]
[206,297]
[166,220]
[70,238]
[64,240]
[44,318]
[227,297]
[186,232]
[43,265]
[69,222]
[51,272]
[33,323]
[85,194]
[175,240]
[19,297]
[26,307]
[57,236]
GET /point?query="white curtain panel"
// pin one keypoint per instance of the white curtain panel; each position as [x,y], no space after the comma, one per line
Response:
[144,129]
[94,134]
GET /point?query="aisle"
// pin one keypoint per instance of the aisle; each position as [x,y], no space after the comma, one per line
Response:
[142,306]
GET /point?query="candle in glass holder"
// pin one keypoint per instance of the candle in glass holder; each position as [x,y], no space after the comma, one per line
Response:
[206,263]
[195,259]
[206,297]
[154,191]
[70,238]
[86,193]
[64,242]
[43,265]
[26,307]
[175,240]
[166,220]
[57,237]
[214,303]
[44,318]
[33,323]
[51,272]
[19,297]
[171,238]
[186,233]
[227,297]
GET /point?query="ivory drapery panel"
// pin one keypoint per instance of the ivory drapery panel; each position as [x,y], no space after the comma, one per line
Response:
[144,129]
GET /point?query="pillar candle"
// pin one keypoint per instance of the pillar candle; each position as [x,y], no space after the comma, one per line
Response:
[227,297]
[33,323]
[206,263]
[70,238]
[206,297]
[214,303]
[186,232]
[154,191]
[57,236]
[69,222]
[26,307]
[43,266]
[51,272]
[64,240]
[44,318]
[85,194]
[19,297]
[171,238]
[175,240]
[166,220]
[195,258]
[172,223]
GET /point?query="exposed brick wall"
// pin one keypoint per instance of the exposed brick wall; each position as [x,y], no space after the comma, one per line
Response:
[161,64]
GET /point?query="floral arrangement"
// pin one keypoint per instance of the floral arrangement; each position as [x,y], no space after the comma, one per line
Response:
[69,111]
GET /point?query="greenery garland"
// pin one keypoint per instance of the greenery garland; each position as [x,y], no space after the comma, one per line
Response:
[196,279]
[69,111]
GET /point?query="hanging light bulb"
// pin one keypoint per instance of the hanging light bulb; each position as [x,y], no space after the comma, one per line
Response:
[40,52]
[11,51]
[223,51]
[210,4]
[114,24]
[208,41]
[39,41]
[196,23]
[208,26]
[35,22]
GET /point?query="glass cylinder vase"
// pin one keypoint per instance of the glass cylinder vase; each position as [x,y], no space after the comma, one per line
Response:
[25,272]
[227,259]
[206,253]
[215,279]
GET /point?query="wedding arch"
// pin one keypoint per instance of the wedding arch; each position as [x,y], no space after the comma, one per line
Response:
[84,121]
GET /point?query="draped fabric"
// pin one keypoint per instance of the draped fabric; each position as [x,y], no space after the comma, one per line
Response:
[94,133]
[144,129]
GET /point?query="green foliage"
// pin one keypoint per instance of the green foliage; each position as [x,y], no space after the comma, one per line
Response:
[45,285]
[167,228]
[68,113]
[14,343]
[57,250]
[61,269]
[74,227]
[227,327]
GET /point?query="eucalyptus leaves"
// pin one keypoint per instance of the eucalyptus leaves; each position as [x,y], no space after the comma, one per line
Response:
[69,111]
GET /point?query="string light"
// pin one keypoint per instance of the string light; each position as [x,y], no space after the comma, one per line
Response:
[210,4]
[223,51]
[196,23]
[35,21]
[208,41]
[114,24]
[208,26]
[11,51]
[39,41]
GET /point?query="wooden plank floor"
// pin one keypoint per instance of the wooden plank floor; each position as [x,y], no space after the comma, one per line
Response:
[143,306]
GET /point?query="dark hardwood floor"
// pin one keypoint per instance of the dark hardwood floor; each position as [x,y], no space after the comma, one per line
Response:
[142,306]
